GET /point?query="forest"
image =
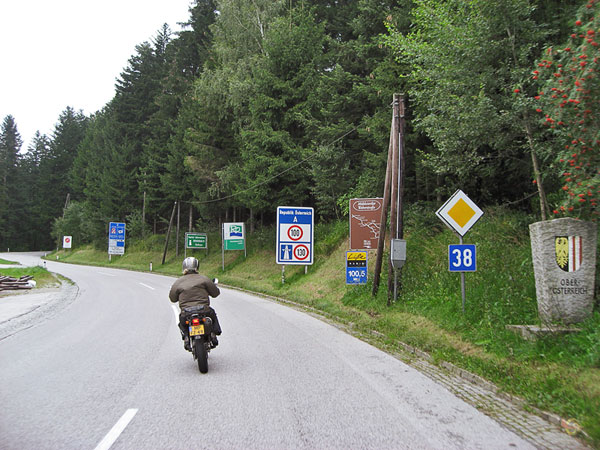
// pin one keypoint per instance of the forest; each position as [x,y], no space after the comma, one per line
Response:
[262,103]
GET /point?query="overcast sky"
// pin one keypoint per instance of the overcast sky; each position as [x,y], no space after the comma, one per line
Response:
[59,53]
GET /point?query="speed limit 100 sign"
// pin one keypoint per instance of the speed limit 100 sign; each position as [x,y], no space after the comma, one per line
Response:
[295,230]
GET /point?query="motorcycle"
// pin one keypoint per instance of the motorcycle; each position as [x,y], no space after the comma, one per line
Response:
[200,328]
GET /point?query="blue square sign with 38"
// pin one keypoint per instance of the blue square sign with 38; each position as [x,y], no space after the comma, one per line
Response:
[462,258]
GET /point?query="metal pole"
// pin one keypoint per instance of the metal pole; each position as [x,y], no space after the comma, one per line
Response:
[401,169]
[283,274]
[223,245]
[462,284]
[400,209]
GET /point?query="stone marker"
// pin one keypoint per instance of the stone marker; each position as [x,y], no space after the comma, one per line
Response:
[564,263]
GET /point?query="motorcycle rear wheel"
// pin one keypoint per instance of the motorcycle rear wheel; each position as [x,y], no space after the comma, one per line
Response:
[201,355]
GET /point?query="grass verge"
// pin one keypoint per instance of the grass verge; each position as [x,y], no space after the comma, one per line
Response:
[4,261]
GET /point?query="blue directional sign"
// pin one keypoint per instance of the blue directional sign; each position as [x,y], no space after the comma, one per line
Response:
[462,258]
[295,232]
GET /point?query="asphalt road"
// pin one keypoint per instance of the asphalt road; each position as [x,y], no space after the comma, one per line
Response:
[109,370]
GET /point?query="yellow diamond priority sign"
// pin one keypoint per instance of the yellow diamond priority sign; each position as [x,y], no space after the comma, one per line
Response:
[459,213]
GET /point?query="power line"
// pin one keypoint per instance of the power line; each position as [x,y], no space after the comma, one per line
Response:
[271,177]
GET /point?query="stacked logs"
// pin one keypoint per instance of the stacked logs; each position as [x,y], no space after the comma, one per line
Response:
[10,283]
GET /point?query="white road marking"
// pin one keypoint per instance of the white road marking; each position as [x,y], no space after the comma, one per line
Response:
[176,312]
[149,287]
[116,431]
[107,274]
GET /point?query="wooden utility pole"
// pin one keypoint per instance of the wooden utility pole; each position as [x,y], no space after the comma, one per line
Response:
[144,216]
[392,195]
[383,220]
[66,203]
[177,231]
[169,233]
[397,221]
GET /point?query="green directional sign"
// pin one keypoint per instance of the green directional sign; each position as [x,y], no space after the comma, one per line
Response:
[196,241]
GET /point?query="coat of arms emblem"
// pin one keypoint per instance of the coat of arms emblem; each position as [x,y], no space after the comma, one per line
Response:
[568,251]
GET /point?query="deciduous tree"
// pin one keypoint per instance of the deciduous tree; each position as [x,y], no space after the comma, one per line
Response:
[568,105]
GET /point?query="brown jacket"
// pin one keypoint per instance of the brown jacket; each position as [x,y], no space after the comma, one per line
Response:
[193,289]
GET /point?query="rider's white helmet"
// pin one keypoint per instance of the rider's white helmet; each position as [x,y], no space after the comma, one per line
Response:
[190,264]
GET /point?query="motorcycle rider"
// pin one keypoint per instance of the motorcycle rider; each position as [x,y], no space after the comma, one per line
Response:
[194,289]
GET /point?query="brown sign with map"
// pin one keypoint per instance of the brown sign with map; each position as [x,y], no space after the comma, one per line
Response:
[365,217]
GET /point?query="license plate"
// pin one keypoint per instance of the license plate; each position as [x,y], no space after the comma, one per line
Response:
[196,330]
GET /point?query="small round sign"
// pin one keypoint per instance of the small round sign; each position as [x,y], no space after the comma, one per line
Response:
[295,233]
[301,252]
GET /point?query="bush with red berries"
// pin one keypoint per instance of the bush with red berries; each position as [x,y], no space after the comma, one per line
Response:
[569,104]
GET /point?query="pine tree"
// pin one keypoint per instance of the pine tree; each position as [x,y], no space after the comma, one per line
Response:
[54,168]
[10,145]
[35,235]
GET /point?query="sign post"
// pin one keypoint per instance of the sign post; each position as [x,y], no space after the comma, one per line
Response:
[116,239]
[233,238]
[460,213]
[295,233]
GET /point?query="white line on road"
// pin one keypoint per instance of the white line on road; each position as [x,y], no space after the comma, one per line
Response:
[176,312]
[107,274]
[149,287]
[116,431]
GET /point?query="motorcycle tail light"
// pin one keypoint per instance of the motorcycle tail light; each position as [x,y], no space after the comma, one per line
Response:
[195,322]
